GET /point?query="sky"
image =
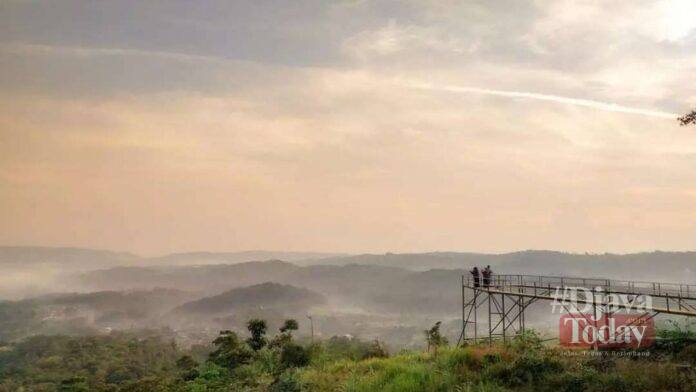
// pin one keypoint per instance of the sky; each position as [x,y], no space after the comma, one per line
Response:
[348,126]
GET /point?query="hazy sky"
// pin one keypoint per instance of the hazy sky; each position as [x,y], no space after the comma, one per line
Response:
[351,126]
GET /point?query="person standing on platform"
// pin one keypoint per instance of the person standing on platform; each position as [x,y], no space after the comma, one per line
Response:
[487,276]
[475,274]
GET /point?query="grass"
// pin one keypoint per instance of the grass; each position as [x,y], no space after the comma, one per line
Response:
[499,368]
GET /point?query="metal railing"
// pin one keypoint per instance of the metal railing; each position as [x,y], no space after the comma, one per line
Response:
[676,290]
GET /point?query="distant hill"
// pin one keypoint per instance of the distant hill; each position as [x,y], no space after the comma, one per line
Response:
[81,313]
[261,296]
[28,255]
[101,258]
[206,278]
[661,266]
[157,298]
[385,287]
[197,258]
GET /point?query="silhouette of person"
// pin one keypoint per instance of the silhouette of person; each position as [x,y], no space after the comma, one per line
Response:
[487,276]
[475,274]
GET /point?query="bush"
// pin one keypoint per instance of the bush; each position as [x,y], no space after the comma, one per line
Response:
[565,382]
[294,355]
[524,370]
[230,352]
[675,338]
[340,347]
[288,382]
[375,350]
[688,354]
[526,342]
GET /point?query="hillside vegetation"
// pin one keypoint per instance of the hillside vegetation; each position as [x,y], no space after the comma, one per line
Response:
[264,295]
[259,363]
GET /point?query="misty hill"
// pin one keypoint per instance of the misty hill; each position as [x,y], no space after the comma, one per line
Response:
[207,278]
[194,258]
[27,255]
[346,281]
[261,296]
[86,313]
[414,261]
[149,300]
[27,271]
[388,288]
[663,266]
[369,287]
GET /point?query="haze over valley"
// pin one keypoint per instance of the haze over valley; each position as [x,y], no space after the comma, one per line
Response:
[390,297]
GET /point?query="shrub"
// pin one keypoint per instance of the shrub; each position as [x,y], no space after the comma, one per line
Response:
[675,338]
[257,328]
[187,368]
[375,350]
[230,352]
[288,382]
[526,342]
[688,354]
[524,370]
[294,355]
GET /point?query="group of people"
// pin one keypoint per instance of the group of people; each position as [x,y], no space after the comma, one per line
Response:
[486,274]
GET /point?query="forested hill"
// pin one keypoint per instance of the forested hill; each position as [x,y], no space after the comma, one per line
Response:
[265,295]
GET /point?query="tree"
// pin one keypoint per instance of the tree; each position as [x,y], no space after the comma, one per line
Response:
[230,352]
[294,355]
[689,118]
[187,368]
[434,338]
[289,326]
[257,328]
[285,335]
[376,350]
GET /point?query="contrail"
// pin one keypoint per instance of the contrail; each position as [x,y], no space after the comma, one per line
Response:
[610,107]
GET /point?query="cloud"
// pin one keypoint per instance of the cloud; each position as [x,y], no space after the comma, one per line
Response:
[396,39]
[605,106]
[14,48]
[357,126]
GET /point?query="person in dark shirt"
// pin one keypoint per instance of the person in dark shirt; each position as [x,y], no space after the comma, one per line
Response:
[475,274]
[487,276]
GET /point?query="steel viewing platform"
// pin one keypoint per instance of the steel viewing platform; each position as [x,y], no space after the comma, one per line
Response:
[505,298]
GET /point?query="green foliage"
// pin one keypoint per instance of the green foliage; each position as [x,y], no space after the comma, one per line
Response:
[676,337]
[434,338]
[122,363]
[525,370]
[257,328]
[289,326]
[294,355]
[229,351]
[74,384]
[92,362]
[527,341]
[212,378]
[187,368]
[288,382]
[341,347]
[285,335]
[688,354]
[376,349]
[16,318]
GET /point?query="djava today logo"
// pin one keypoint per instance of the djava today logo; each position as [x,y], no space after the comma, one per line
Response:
[603,320]
[609,331]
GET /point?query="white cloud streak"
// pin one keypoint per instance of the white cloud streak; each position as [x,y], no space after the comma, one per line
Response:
[605,106]
[79,51]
